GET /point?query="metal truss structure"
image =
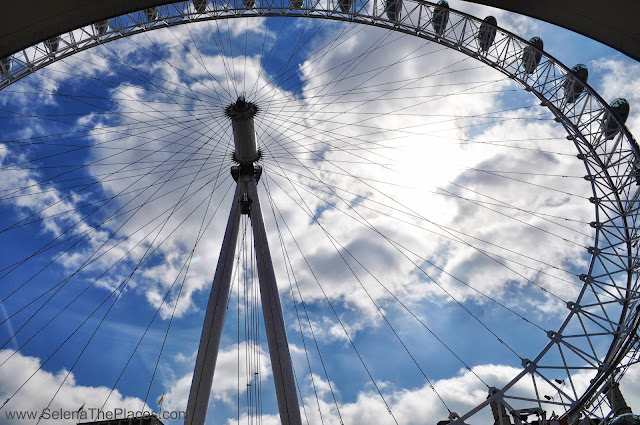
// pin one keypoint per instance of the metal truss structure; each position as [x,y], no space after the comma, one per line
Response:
[599,336]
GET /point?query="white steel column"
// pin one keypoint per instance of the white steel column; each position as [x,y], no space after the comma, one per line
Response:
[245,201]
[214,320]
[273,318]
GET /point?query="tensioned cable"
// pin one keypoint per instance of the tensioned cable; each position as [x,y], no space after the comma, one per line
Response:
[289,266]
[105,252]
[375,46]
[357,60]
[141,73]
[90,260]
[537,227]
[75,193]
[201,61]
[110,218]
[542,186]
[343,326]
[333,241]
[201,233]
[365,222]
[312,190]
[96,210]
[123,285]
[361,56]
[437,225]
[144,257]
[74,225]
[186,265]
[109,179]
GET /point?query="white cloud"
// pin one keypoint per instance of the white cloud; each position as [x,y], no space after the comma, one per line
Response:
[243,362]
[41,388]
[339,123]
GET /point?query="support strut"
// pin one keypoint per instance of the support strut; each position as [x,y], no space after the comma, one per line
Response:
[245,201]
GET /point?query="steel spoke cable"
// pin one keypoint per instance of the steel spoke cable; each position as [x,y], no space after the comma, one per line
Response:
[363,221]
[101,201]
[380,43]
[149,125]
[340,247]
[406,81]
[128,149]
[330,237]
[446,230]
[113,216]
[185,266]
[280,73]
[447,192]
[341,137]
[364,159]
[532,213]
[406,84]
[178,72]
[144,76]
[92,260]
[144,257]
[330,47]
[174,68]
[82,220]
[456,231]
[379,115]
[313,191]
[86,263]
[283,160]
[340,76]
[220,45]
[124,256]
[288,266]
[97,161]
[201,62]
[405,131]
[350,174]
[126,166]
[287,260]
[440,192]
[116,88]
[342,325]
[262,66]
[109,178]
[350,68]
[365,89]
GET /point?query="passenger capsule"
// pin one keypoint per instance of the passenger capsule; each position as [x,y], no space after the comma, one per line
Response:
[52,44]
[297,4]
[345,5]
[393,9]
[101,27]
[200,5]
[487,33]
[574,84]
[530,56]
[7,64]
[151,13]
[620,108]
[440,17]
[248,4]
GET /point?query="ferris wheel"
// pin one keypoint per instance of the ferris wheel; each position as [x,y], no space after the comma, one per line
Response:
[420,212]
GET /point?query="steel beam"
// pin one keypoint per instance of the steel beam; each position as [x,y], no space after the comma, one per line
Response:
[214,320]
[273,318]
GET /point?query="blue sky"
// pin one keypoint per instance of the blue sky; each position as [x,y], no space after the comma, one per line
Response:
[367,141]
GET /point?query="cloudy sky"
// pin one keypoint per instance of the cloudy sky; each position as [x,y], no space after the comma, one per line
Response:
[427,220]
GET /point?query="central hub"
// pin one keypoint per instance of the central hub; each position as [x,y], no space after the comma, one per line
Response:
[241,114]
